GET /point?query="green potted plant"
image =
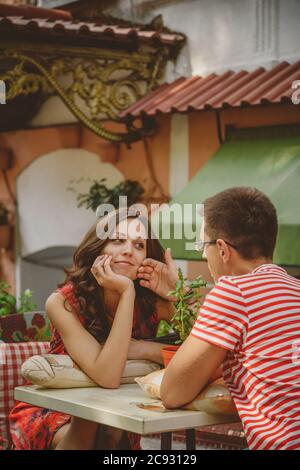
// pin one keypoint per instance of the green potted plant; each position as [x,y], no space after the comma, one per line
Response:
[99,193]
[4,227]
[18,320]
[188,297]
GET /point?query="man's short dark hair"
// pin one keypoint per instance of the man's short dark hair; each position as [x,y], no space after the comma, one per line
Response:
[245,217]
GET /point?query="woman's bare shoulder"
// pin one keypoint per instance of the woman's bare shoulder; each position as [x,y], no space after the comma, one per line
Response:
[55,304]
[54,300]
[60,314]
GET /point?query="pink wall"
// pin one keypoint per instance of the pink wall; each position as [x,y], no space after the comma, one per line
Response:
[29,145]
[26,147]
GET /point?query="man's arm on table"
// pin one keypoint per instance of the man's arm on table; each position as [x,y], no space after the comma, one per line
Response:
[194,365]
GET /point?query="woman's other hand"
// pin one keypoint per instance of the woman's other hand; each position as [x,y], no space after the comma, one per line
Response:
[106,278]
[159,277]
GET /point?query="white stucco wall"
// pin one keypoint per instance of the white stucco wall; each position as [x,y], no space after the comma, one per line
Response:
[223,34]
[53,111]
[289,28]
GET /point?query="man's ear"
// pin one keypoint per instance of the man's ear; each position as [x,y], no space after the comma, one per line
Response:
[223,250]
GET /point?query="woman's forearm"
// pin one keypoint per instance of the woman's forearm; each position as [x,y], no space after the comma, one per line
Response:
[154,352]
[147,350]
[112,357]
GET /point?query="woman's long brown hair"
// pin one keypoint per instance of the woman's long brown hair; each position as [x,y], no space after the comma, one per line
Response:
[89,293]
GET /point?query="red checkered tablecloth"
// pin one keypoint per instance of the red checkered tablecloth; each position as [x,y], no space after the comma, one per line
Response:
[12,356]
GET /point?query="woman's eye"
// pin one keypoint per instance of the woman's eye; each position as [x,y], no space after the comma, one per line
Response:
[140,246]
[118,241]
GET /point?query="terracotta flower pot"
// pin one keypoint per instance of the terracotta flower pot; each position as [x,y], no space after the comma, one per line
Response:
[168,352]
[4,236]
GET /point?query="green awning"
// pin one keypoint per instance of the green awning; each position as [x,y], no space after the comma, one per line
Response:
[268,159]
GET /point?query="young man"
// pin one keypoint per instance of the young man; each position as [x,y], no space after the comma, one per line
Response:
[249,322]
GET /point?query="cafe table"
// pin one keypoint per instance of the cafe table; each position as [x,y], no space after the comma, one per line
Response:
[126,408]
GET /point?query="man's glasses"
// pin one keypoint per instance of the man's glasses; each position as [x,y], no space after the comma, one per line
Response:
[200,244]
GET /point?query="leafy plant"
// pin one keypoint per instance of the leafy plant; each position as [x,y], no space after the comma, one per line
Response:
[26,305]
[188,300]
[3,215]
[164,328]
[8,302]
[99,194]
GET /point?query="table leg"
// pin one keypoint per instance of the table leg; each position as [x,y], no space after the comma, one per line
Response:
[166,441]
[190,439]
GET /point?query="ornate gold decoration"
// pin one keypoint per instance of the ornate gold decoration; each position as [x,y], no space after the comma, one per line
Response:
[94,84]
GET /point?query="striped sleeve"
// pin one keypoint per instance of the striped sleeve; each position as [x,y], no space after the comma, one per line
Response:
[222,319]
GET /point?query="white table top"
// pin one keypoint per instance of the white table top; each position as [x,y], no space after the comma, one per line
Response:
[117,408]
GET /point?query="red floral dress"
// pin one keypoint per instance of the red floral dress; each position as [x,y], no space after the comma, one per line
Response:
[32,427]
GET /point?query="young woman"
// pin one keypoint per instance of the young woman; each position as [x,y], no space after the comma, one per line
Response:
[98,314]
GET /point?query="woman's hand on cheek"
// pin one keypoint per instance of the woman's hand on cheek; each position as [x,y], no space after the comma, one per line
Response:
[106,278]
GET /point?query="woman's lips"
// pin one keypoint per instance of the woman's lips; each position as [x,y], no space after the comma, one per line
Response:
[125,263]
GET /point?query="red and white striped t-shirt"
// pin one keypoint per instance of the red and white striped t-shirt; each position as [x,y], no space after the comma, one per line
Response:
[256,317]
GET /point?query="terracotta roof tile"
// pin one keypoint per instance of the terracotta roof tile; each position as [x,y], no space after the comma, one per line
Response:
[48,26]
[218,91]
[28,11]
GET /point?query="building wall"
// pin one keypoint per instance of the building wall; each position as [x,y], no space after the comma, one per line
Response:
[48,216]
[223,34]
[27,146]
[29,150]
[203,135]
[204,141]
